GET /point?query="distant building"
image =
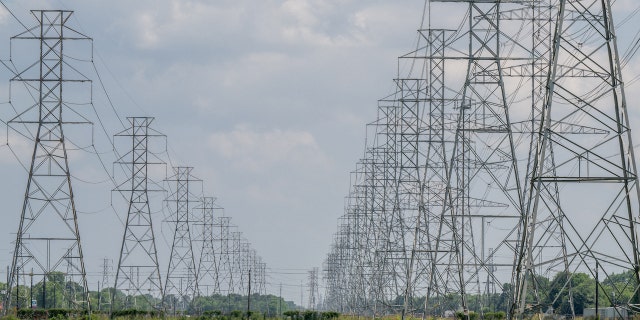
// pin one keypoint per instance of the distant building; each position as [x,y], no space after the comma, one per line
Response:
[607,313]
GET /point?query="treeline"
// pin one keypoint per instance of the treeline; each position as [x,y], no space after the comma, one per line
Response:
[269,305]
[64,314]
[54,292]
[543,295]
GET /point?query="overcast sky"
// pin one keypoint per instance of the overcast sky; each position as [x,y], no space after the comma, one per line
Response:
[267,100]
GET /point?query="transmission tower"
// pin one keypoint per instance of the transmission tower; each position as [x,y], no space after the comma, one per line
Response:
[584,87]
[440,167]
[107,269]
[222,238]
[208,270]
[138,272]
[245,257]
[260,279]
[313,288]
[48,242]
[181,285]
[483,179]
[522,174]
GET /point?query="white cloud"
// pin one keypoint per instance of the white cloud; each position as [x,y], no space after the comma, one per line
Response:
[148,27]
[259,151]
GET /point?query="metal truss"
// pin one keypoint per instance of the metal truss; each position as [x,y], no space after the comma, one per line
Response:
[138,271]
[224,255]
[483,182]
[234,258]
[475,190]
[567,233]
[313,289]
[48,247]
[181,285]
[208,271]
[107,270]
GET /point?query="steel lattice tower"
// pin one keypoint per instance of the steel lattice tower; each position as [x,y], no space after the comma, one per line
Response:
[48,242]
[313,288]
[224,256]
[138,272]
[107,269]
[208,271]
[483,180]
[237,262]
[438,168]
[181,285]
[585,87]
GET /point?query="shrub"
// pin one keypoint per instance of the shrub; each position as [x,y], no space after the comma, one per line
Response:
[461,316]
[310,315]
[25,314]
[212,313]
[40,314]
[90,317]
[58,313]
[328,315]
[294,314]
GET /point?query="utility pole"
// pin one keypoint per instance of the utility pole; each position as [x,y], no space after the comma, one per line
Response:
[31,290]
[597,293]
[44,292]
[249,297]
[280,302]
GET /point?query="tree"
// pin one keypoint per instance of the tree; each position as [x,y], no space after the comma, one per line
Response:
[566,285]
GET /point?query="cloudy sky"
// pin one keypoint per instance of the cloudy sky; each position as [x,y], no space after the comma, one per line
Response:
[267,100]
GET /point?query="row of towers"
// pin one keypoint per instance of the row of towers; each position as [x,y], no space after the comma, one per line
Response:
[499,173]
[208,254]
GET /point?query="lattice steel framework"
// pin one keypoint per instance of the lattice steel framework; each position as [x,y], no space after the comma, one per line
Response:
[138,271]
[440,206]
[208,271]
[48,242]
[224,255]
[312,284]
[483,182]
[181,284]
[107,270]
[584,87]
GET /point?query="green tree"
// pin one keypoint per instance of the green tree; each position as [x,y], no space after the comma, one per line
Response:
[564,285]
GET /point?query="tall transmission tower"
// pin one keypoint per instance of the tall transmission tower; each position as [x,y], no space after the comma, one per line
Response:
[236,252]
[208,270]
[599,233]
[48,245]
[181,285]
[483,180]
[222,238]
[138,272]
[107,270]
[313,288]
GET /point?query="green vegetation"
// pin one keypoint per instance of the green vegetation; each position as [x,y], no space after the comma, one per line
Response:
[54,301]
[56,296]
[542,294]
[61,314]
